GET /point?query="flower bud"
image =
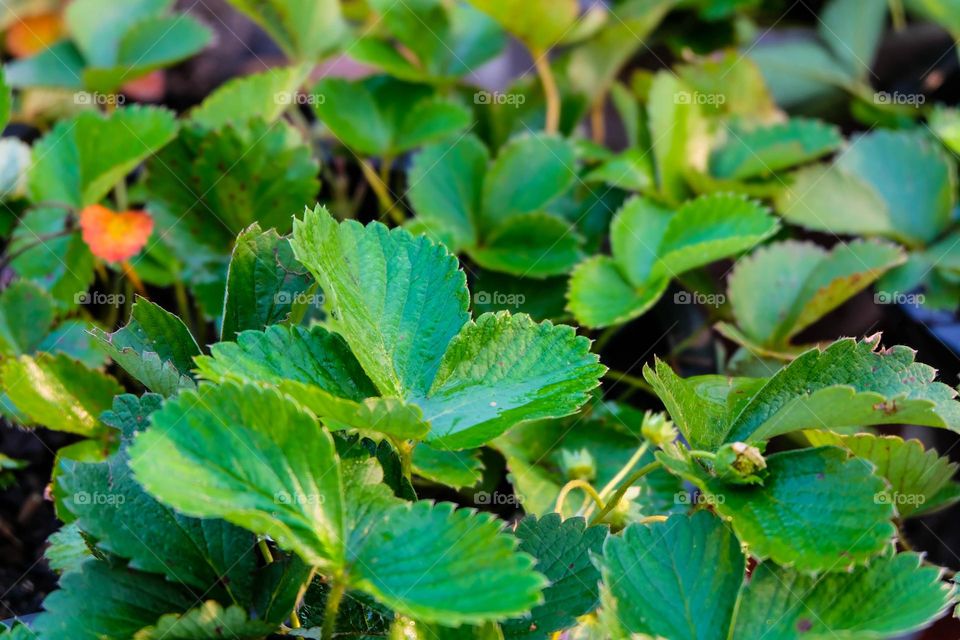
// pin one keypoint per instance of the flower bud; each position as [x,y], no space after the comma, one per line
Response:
[578,465]
[657,429]
[740,463]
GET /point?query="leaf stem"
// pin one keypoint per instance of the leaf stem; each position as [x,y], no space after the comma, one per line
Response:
[577,484]
[897,15]
[550,92]
[337,588]
[405,451]
[598,126]
[633,381]
[620,475]
[265,551]
[618,496]
[382,192]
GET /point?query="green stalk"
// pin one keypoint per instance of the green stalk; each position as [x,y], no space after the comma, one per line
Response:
[337,589]
[618,496]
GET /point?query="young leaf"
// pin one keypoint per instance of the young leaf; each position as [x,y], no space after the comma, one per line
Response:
[563,550]
[126,601]
[760,152]
[676,126]
[211,454]
[817,510]
[262,95]
[917,477]
[155,347]
[306,30]
[896,184]
[263,282]
[209,620]
[677,579]
[540,24]
[83,158]
[386,117]
[59,393]
[783,288]
[892,596]
[474,572]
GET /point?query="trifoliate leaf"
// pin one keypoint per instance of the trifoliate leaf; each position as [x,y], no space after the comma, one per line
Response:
[234,175]
[765,150]
[209,620]
[261,95]
[475,573]
[83,158]
[916,476]
[817,510]
[317,368]
[125,521]
[155,347]
[563,550]
[892,596]
[264,282]
[677,579]
[783,288]
[457,469]
[59,393]
[896,184]
[386,117]
[125,602]
[211,454]
[306,30]
[540,25]
[848,384]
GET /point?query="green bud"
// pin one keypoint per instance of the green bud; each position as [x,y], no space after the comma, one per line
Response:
[657,429]
[740,463]
[578,465]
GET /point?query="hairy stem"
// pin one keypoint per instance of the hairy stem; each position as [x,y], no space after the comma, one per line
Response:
[550,92]
[337,588]
[618,496]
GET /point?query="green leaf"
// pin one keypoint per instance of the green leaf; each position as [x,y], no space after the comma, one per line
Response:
[677,579]
[916,476]
[600,296]
[538,24]
[280,478]
[125,602]
[818,510]
[801,73]
[6,100]
[24,299]
[532,245]
[848,384]
[945,122]
[59,393]
[457,469]
[129,414]
[676,127]
[563,550]
[897,184]
[852,30]
[263,95]
[891,597]
[474,572]
[155,347]
[317,368]
[783,288]
[235,175]
[59,66]
[383,116]
[263,282]
[67,549]
[83,158]
[209,620]
[766,150]
[306,30]
[111,507]
[97,26]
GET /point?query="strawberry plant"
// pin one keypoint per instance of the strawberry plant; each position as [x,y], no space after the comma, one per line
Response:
[472,319]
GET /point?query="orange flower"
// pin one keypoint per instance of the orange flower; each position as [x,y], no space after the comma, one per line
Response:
[113,236]
[33,34]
